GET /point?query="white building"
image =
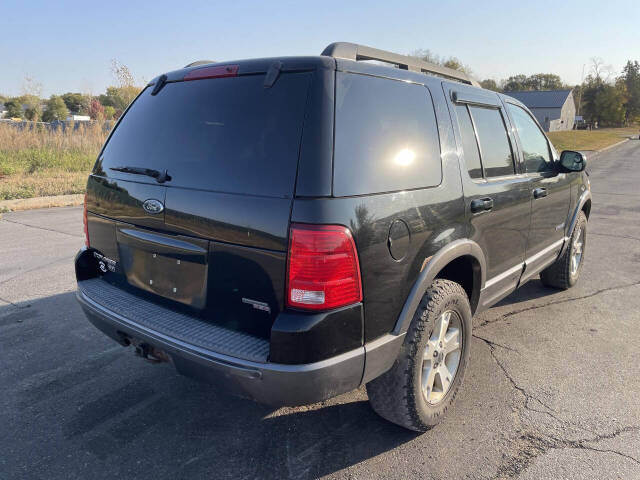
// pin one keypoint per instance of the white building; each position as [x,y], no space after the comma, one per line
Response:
[78,118]
[554,109]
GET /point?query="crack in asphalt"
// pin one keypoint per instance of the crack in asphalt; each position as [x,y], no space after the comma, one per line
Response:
[41,228]
[528,396]
[534,442]
[492,343]
[557,302]
[9,302]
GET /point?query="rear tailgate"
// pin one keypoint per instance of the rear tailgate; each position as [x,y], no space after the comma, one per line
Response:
[230,148]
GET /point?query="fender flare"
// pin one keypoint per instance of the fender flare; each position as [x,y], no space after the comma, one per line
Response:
[586,196]
[455,249]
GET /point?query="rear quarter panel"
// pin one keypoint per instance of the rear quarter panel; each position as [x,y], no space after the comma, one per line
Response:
[435,217]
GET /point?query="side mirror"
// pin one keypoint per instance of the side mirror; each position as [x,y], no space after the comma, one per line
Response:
[573,161]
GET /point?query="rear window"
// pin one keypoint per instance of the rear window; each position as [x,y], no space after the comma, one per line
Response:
[386,136]
[225,134]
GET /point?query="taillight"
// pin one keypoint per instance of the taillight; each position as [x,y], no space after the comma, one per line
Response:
[219,71]
[322,269]
[84,221]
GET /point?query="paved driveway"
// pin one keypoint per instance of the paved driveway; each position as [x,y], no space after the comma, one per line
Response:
[553,388]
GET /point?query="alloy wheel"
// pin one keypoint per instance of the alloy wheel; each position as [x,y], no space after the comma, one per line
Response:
[441,357]
[576,251]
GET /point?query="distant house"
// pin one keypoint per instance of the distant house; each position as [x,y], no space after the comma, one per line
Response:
[554,109]
[78,118]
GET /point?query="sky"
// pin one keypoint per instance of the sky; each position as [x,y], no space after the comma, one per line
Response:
[68,46]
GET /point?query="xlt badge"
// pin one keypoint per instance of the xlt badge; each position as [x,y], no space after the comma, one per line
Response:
[257,305]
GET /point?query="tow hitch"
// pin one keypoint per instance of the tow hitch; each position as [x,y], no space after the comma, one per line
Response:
[146,351]
[150,353]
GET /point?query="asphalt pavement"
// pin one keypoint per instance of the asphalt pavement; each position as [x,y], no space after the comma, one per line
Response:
[552,390]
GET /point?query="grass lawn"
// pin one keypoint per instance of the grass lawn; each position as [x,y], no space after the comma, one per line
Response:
[36,162]
[590,139]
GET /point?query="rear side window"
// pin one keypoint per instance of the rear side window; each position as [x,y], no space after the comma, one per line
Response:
[495,150]
[386,136]
[469,143]
[225,134]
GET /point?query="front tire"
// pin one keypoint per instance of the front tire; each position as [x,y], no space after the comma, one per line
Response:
[564,272]
[425,378]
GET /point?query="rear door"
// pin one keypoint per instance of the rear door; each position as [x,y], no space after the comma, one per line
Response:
[496,193]
[230,149]
[550,191]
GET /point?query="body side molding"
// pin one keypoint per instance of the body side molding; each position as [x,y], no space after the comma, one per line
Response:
[456,249]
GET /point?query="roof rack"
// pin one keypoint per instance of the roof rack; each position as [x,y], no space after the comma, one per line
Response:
[353,51]
[199,62]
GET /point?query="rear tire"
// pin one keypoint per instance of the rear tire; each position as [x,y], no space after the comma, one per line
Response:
[564,272]
[417,391]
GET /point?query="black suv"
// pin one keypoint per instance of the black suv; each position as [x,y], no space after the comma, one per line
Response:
[293,228]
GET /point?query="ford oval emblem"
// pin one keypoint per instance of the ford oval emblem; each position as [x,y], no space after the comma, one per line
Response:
[153,206]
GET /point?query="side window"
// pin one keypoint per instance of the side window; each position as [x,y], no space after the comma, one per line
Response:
[495,150]
[469,144]
[386,136]
[534,144]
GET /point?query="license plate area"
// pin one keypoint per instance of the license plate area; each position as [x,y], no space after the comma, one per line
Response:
[171,266]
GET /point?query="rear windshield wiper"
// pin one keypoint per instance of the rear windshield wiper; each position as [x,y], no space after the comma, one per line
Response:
[160,177]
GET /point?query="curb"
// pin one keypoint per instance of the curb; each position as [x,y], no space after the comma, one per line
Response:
[595,153]
[41,202]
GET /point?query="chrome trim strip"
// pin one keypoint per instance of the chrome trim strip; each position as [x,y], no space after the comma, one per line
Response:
[544,251]
[532,259]
[503,275]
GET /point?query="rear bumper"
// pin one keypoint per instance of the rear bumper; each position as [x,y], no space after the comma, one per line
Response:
[265,382]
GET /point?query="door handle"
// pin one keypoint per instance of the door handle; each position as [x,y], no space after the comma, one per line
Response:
[481,204]
[540,192]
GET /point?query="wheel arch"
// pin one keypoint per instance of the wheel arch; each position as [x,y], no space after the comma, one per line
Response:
[586,207]
[461,261]
[583,205]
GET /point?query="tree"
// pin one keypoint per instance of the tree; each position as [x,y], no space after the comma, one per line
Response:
[122,74]
[119,97]
[515,83]
[451,62]
[33,104]
[490,84]
[14,108]
[544,81]
[96,110]
[599,70]
[76,102]
[455,64]
[426,55]
[631,79]
[109,112]
[56,109]
[603,101]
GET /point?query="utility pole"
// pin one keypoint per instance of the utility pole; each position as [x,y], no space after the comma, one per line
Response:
[581,88]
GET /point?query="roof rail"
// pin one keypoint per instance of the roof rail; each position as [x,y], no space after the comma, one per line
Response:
[353,51]
[199,62]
